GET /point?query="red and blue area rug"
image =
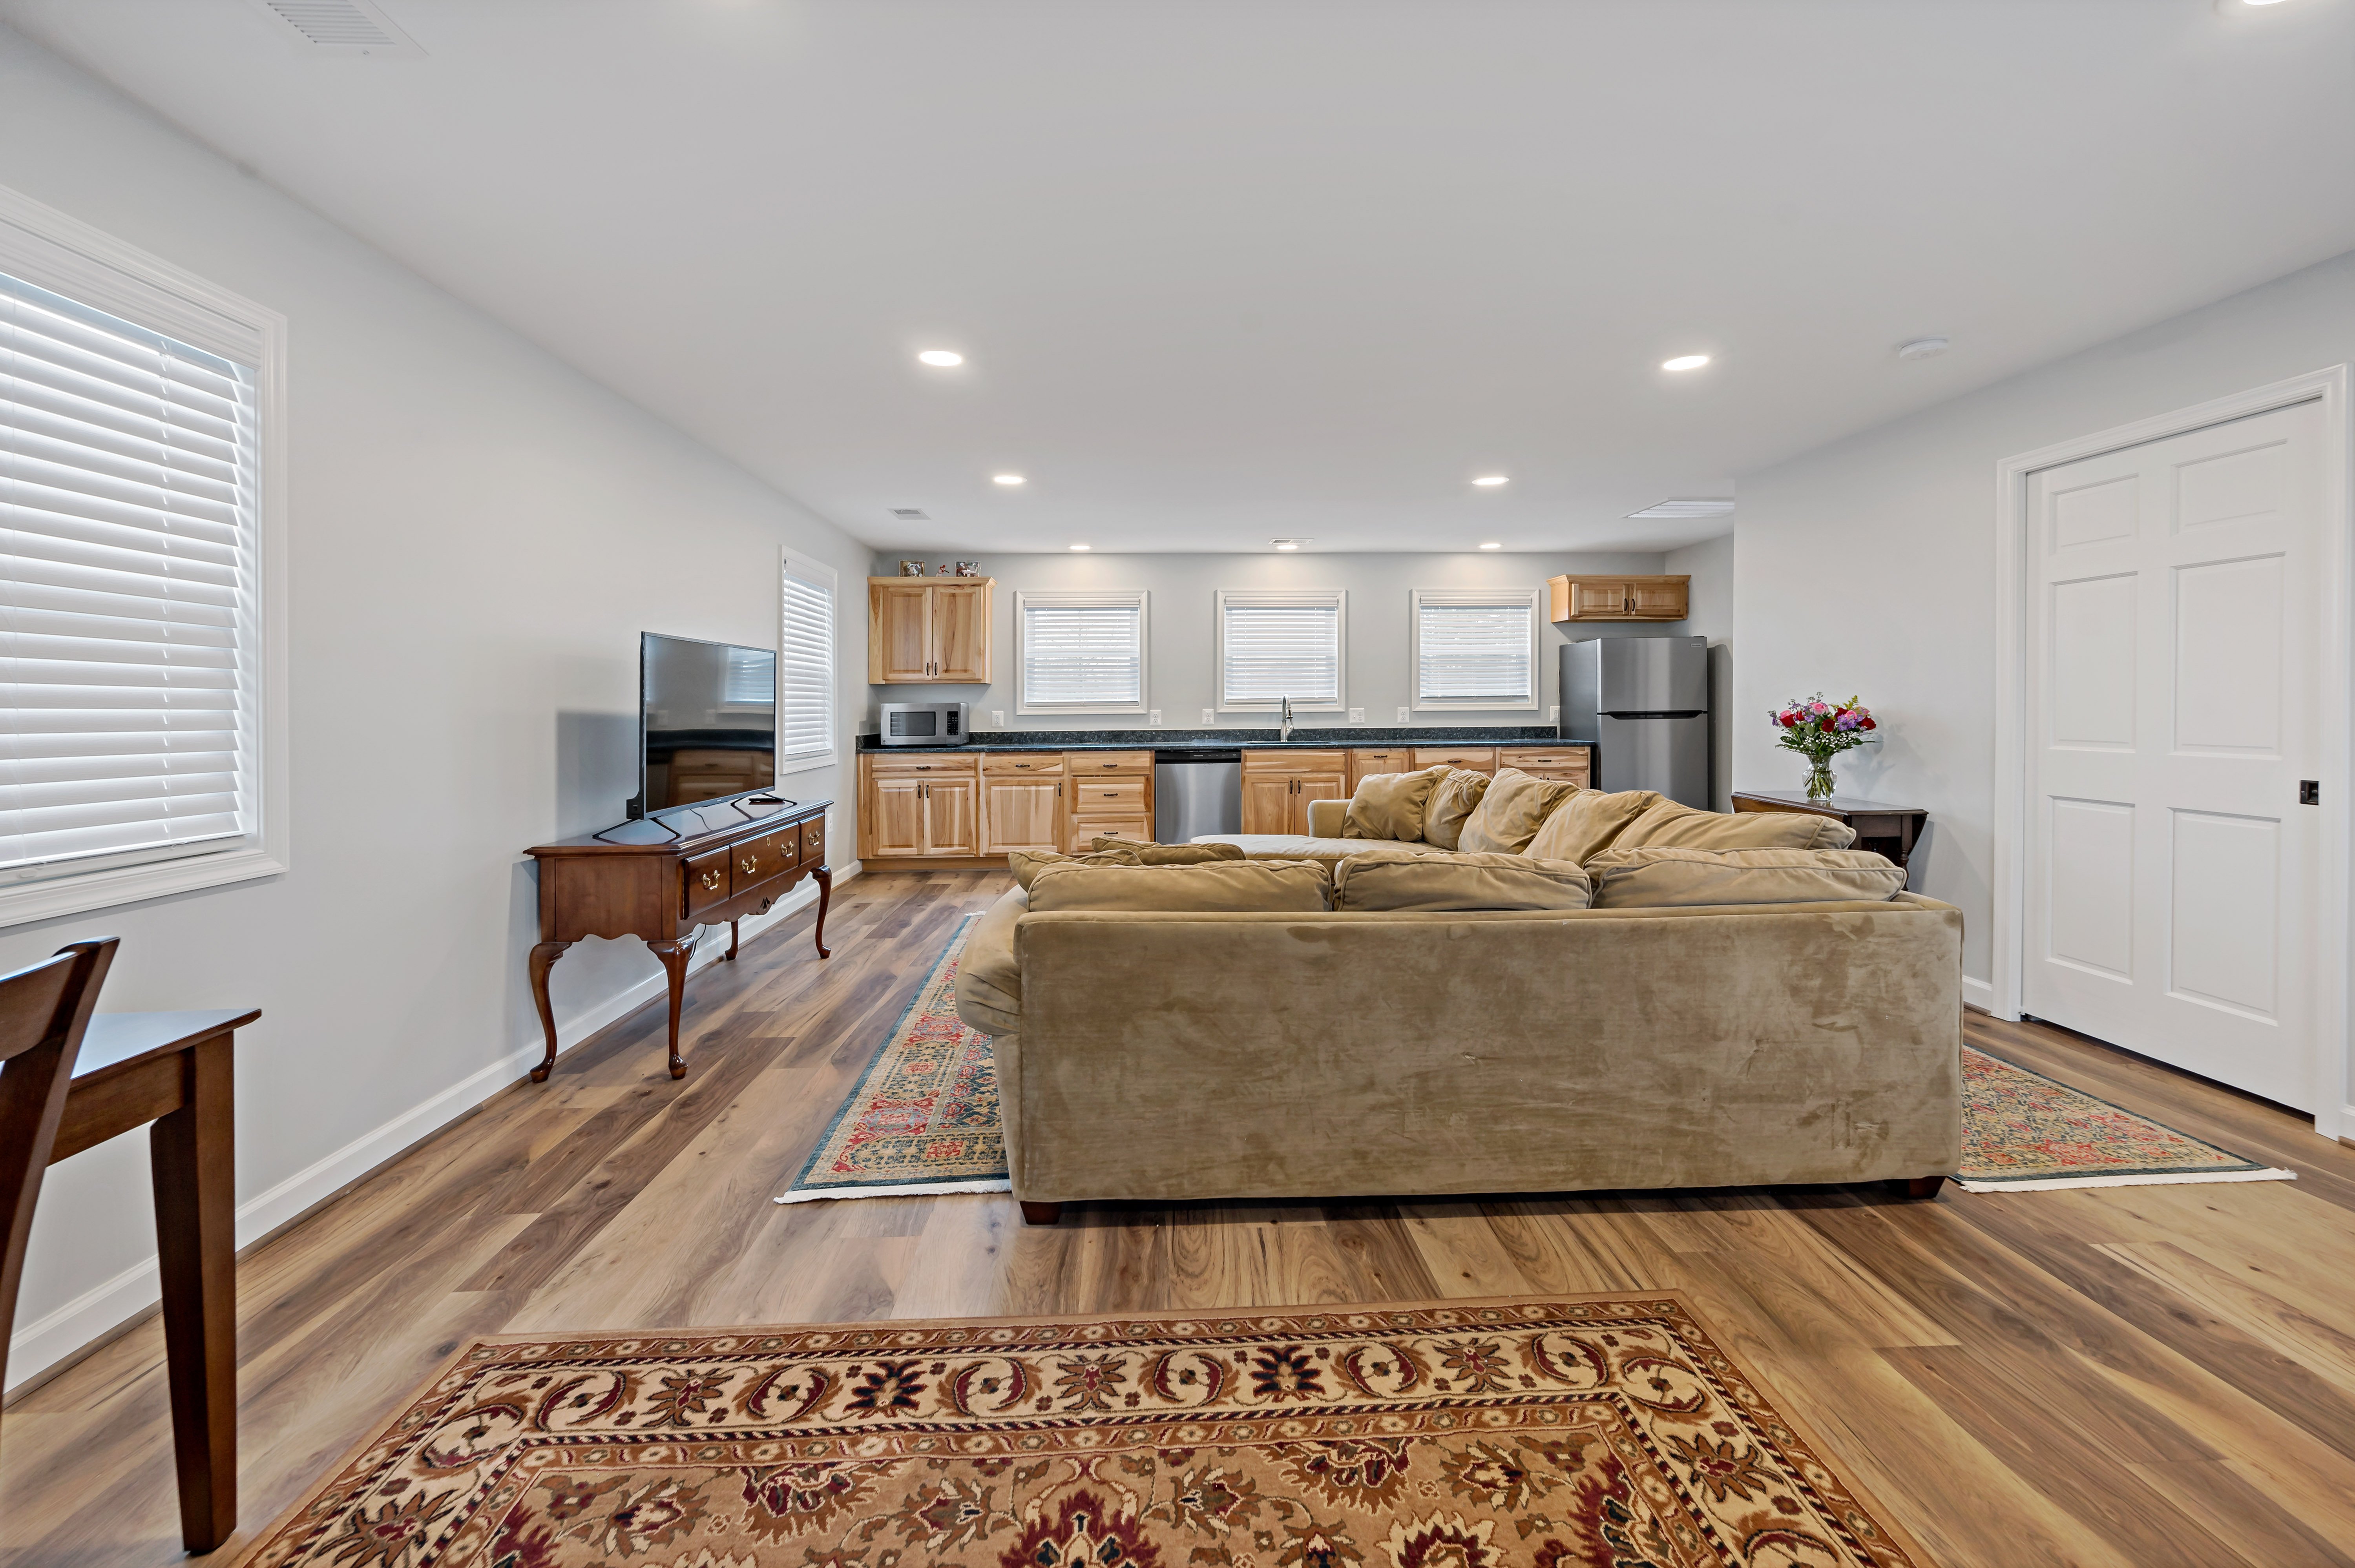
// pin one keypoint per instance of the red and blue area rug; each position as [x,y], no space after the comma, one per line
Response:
[923,1120]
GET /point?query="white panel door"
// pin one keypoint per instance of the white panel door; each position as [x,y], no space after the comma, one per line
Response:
[2172,714]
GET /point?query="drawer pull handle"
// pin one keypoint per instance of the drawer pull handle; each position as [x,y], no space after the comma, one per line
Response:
[750,863]
[711,881]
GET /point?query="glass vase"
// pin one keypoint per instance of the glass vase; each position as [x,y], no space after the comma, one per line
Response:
[1819,779]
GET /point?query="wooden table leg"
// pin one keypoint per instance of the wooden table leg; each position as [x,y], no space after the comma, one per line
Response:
[674,955]
[543,958]
[735,934]
[824,876]
[193,1161]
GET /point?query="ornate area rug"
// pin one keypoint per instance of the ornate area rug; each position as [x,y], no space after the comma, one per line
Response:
[923,1118]
[1605,1432]
[2022,1132]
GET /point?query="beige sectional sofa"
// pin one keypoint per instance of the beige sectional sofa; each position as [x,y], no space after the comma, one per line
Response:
[1213,1053]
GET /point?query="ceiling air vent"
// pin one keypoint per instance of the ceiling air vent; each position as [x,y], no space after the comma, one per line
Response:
[909,514]
[1682,506]
[341,27]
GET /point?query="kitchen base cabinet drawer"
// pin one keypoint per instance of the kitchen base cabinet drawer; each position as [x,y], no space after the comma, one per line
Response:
[1472,758]
[1023,765]
[1083,833]
[919,765]
[1093,798]
[1090,764]
[1567,765]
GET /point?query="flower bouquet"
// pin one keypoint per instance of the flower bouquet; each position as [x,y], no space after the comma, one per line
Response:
[1819,731]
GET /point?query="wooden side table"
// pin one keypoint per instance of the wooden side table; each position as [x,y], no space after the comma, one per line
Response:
[1885,829]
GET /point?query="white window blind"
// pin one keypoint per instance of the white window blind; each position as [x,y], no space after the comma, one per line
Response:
[1272,646]
[128,659]
[806,665]
[1474,650]
[1082,652]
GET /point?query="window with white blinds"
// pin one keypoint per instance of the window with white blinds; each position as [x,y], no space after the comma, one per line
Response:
[128,666]
[1277,645]
[1474,648]
[805,680]
[1082,652]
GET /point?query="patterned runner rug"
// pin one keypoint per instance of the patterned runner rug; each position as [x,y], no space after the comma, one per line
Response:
[923,1120]
[1554,1432]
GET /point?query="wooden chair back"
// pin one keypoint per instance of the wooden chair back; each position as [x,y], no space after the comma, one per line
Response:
[44,1011]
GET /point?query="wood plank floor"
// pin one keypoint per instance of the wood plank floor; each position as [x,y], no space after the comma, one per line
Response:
[2130,1378]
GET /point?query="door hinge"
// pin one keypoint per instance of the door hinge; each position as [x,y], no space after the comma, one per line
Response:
[2309,791]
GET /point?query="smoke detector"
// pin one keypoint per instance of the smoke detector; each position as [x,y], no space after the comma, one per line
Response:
[1922,348]
[356,28]
[909,514]
[1702,507]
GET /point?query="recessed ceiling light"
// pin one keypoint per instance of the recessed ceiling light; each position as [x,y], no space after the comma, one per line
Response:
[1492,480]
[1005,479]
[1497,544]
[1685,362]
[1288,544]
[1922,348]
[944,357]
[1688,506]
[1083,547]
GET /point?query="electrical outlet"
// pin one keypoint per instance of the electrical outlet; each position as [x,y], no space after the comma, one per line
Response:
[1402,718]
[1356,715]
[1209,718]
[1553,714]
[998,718]
[1154,718]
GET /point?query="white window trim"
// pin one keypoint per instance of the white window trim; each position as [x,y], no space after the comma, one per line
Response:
[817,572]
[1086,599]
[66,256]
[1278,598]
[1418,598]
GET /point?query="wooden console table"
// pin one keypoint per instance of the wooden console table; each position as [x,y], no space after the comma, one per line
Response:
[172,1070]
[1891,830]
[725,862]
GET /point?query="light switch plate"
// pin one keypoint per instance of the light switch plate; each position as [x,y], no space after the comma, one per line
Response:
[998,718]
[1356,715]
[1154,718]
[1553,714]
[1402,718]
[1208,717]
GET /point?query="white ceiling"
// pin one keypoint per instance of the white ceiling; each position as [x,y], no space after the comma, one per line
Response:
[1231,270]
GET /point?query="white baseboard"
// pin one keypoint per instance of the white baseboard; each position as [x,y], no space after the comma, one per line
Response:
[1978,993]
[39,1348]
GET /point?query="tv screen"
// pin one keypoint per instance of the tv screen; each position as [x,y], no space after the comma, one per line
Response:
[707,720]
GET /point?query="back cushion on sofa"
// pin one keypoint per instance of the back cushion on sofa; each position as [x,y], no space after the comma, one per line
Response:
[1588,823]
[1509,815]
[1667,877]
[1026,865]
[1438,881]
[1227,886]
[1390,805]
[1171,854]
[1669,825]
[1453,801]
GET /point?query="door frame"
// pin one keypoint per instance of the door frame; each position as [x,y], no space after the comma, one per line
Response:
[2334,1116]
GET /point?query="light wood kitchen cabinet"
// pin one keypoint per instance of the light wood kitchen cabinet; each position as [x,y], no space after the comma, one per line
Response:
[1112,795]
[914,809]
[1279,785]
[1365,760]
[924,631]
[891,817]
[1563,764]
[1022,811]
[1471,758]
[1620,597]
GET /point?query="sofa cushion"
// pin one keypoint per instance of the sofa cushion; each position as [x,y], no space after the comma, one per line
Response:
[1441,880]
[1170,854]
[1237,886]
[1588,823]
[1288,846]
[1389,806]
[1028,864]
[1671,825]
[1453,801]
[1662,876]
[988,980]
[1510,814]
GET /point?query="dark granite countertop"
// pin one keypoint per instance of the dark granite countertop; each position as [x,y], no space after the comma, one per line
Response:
[1238,739]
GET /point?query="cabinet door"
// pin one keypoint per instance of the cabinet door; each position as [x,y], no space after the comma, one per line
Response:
[1021,814]
[960,632]
[952,821]
[895,815]
[1307,787]
[1267,803]
[1658,601]
[899,633]
[1597,599]
[1364,761]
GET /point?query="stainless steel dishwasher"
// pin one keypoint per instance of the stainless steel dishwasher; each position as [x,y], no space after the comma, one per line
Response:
[1197,791]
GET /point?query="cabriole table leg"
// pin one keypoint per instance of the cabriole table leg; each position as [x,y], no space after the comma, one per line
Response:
[543,958]
[675,956]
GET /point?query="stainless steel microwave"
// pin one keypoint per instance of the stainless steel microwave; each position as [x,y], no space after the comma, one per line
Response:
[921,724]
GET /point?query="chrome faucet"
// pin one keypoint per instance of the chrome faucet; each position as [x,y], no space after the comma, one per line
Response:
[1284,731]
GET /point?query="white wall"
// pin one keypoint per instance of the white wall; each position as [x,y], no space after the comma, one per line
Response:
[1709,564]
[1868,566]
[1182,620]
[478,534]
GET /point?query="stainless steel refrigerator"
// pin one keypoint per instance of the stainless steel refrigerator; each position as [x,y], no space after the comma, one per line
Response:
[1643,702]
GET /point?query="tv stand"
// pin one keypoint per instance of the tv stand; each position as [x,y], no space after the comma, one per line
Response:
[665,890]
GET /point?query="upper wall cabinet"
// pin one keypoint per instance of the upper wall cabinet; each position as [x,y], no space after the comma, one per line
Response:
[928,630]
[1621,597]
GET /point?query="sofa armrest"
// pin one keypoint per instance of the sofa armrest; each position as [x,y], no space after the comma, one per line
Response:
[1325,817]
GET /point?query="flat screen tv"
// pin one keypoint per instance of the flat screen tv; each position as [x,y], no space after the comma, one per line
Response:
[707,722]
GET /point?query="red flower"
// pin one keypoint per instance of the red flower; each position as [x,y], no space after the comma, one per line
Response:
[1867,724]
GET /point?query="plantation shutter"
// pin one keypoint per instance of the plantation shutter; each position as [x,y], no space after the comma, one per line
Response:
[1081,655]
[1272,649]
[127,644]
[806,666]
[1468,653]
